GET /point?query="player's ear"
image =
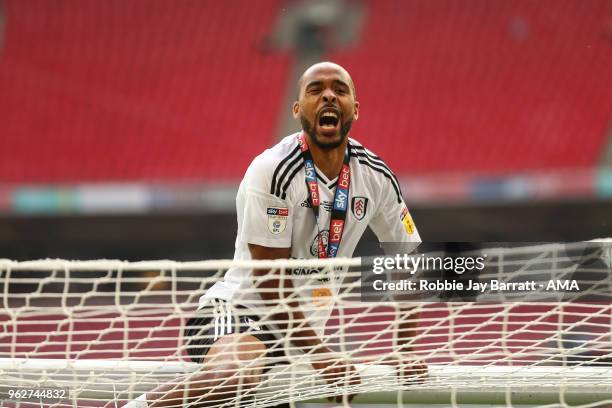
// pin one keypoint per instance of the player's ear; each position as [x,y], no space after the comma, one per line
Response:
[296,109]
[356,110]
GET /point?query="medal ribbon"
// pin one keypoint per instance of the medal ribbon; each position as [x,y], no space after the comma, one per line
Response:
[340,205]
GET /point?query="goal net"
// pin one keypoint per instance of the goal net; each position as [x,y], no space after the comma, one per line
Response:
[104,332]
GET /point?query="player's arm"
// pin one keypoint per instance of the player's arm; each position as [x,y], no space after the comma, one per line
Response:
[272,281]
[278,288]
[267,226]
[393,223]
[407,328]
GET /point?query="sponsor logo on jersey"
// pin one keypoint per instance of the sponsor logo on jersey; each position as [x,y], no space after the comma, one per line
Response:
[341,199]
[277,219]
[359,207]
[407,221]
[305,271]
[320,274]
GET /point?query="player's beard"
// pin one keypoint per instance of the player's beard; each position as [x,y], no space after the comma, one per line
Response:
[308,127]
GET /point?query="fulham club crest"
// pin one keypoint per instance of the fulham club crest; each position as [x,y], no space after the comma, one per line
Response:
[359,206]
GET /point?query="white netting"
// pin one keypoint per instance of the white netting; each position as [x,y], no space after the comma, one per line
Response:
[111,330]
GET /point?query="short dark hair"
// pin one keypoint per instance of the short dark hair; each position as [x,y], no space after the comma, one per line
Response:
[300,82]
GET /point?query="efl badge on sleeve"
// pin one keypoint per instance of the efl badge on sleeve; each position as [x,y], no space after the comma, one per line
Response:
[277,219]
[407,221]
[359,206]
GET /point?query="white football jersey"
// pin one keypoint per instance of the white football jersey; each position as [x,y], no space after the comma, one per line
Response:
[274,210]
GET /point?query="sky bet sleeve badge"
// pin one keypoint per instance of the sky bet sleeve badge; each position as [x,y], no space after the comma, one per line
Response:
[407,221]
[277,219]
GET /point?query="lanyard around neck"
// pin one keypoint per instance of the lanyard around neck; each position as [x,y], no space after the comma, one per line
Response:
[340,204]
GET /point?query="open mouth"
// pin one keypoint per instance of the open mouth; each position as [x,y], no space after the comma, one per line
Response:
[329,118]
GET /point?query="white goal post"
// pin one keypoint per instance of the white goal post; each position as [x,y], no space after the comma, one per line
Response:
[101,380]
[111,330]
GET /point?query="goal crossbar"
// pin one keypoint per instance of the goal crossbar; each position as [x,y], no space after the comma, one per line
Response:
[215,264]
[116,379]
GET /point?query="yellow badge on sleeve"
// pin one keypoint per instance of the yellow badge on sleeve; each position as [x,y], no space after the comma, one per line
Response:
[407,221]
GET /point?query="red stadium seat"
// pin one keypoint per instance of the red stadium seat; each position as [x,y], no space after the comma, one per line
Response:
[483,86]
[139,90]
[166,91]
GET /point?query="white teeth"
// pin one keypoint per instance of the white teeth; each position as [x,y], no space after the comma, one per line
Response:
[328,114]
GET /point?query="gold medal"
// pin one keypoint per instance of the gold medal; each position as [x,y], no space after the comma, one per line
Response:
[321,296]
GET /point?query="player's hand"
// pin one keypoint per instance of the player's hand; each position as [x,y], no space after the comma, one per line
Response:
[338,372]
[410,368]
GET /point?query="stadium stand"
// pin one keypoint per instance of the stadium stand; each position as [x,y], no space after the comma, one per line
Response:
[139,90]
[151,90]
[483,86]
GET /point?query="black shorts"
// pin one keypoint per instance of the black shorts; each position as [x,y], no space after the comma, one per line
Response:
[221,318]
